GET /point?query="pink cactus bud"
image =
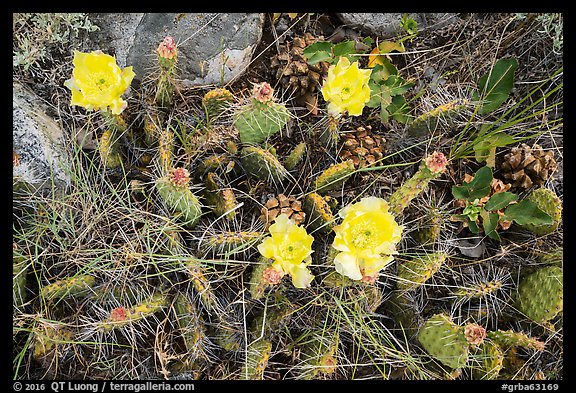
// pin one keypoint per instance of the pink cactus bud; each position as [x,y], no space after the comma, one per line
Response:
[167,48]
[118,314]
[436,162]
[272,276]
[474,333]
[180,177]
[263,92]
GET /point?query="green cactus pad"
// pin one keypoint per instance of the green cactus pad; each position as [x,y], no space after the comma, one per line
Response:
[405,312]
[19,270]
[201,284]
[320,356]
[276,316]
[180,201]
[47,339]
[220,197]
[427,122]
[121,317]
[257,359]
[489,358]
[334,176]
[295,156]
[411,188]
[212,164]
[71,286]
[550,204]
[231,243]
[191,327]
[109,149]
[540,294]
[263,164]
[256,121]
[257,284]
[319,212]
[428,231]
[415,272]
[216,101]
[509,338]
[444,341]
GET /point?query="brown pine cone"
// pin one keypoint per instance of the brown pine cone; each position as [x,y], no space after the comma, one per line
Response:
[525,166]
[292,69]
[362,146]
[279,205]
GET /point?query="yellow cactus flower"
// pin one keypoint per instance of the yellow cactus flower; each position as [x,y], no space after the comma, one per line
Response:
[366,239]
[97,82]
[290,247]
[346,88]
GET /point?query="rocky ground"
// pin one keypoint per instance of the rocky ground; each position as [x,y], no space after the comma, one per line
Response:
[189,299]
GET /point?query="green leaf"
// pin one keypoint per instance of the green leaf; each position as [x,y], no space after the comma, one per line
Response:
[398,85]
[473,227]
[527,212]
[485,146]
[399,109]
[344,48]
[477,188]
[490,222]
[500,200]
[318,51]
[389,46]
[375,95]
[495,86]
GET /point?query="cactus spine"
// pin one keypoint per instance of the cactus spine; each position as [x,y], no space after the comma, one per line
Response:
[417,271]
[334,176]
[430,168]
[540,294]
[428,231]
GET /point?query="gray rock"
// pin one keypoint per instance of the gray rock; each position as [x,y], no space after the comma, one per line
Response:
[39,142]
[213,48]
[387,25]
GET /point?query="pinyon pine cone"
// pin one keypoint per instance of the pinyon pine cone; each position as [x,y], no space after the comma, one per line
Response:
[362,146]
[293,71]
[281,204]
[525,166]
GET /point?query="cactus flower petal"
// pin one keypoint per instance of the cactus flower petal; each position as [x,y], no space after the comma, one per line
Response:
[366,238]
[346,88]
[97,82]
[290,247]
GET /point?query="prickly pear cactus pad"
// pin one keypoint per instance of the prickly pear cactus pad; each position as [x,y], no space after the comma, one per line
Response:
[541,294]
[287,196]
[444,341]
